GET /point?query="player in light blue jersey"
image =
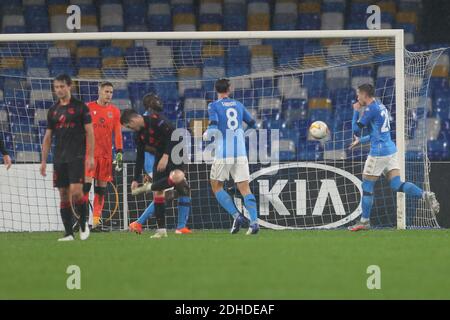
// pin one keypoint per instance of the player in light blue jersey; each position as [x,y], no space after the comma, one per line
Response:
[225,118]
[382,159]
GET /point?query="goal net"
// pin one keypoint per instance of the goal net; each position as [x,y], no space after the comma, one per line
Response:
[287,80]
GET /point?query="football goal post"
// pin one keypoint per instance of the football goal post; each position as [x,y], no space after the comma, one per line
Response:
[286,79]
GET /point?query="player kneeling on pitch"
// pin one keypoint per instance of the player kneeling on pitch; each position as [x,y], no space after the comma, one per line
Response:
[154,133]
[226,116]
[382,159]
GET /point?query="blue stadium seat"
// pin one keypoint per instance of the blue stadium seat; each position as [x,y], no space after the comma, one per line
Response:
[310,151]
[308,22]
[111,52]
[321,115]
[54,71]
[244,95]
[182,8]
[264,87]
[88,9]
[234,23]
[112,29]
[333,6]
[167,90]
[90,63]
[136,57]
[314,81]
[194,93]
[210,19]
[36,62]
[160,23]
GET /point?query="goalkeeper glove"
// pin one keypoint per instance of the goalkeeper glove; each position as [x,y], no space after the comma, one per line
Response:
[119,161]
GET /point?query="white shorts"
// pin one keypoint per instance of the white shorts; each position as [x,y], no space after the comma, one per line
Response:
[238,168]
[376,166]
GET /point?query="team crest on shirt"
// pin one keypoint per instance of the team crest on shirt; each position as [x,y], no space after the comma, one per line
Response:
[71,111]
[110,115]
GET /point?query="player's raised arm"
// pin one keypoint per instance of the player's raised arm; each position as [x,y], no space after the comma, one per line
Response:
[366,97]
[6,158]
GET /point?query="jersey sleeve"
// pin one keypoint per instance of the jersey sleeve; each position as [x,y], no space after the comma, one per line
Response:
[248,119]
[86,114]
[50,123]
[368,115]
[213,117]
[118,131]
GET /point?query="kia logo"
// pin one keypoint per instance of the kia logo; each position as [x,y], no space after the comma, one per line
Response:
[305,195]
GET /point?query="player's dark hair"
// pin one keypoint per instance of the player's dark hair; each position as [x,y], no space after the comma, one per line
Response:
[127,115]
[64,78]
[222,85]
[105,84]
[367,89]
[152,102]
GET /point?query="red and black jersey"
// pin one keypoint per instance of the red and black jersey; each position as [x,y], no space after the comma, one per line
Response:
[155,137]
[67,124]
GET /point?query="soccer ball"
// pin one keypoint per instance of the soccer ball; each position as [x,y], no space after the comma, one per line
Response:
[318,130]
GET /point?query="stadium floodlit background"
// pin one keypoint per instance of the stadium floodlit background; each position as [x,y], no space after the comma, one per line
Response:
[211,263]
[88,59]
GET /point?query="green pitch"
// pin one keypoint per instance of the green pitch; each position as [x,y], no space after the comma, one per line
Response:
[216,265]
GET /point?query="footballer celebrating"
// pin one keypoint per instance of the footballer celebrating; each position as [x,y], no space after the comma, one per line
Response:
[154,133]
[69,120]
[106,123]
[382,159]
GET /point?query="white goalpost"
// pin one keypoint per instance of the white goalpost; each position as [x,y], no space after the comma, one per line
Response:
[286,79]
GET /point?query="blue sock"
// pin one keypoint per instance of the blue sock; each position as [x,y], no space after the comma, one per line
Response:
[407,187]
[184,206]
[227,202]
[250,205]
[367,199]
[147,214]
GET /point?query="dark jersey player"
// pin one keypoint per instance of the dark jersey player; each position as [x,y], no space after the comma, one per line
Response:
[154,106]
[154,132]
[69,121]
